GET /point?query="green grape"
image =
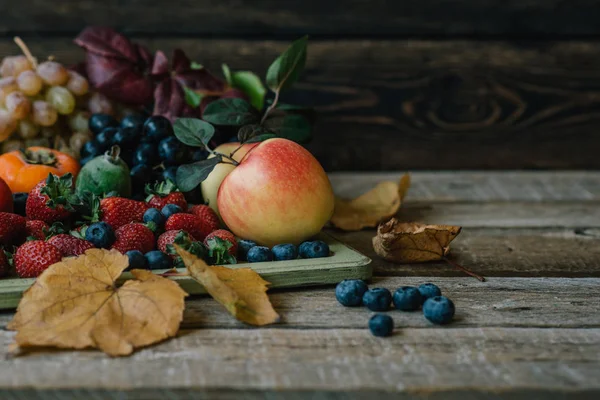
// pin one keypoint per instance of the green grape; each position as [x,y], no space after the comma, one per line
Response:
[53,73]
[77,84]
[7,86]
[78,121]
[61,99]
[18,105]
[14,65]
[12,145]
[27,129]
[7,125]
[100,104]
[44,114]
[49,132]
[78,139]
[29,83]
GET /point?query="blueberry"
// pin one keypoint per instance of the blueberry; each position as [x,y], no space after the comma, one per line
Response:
[19,200]
[349,292]
[199,155]
[428,290]
[91,149]
[381,325]
[106,137]
[282,252]
[259,254]
[407,298]
[158,260]
[243,247]
[125,137]
[172,150]
[157,128]
[170,173]
[170,209]
[439,310]
[153,215]
[316,249]
[100,234]
[134,121]
[99,122]
[377,299]
[86,160]
[136,260]
[141,174]
[145,154]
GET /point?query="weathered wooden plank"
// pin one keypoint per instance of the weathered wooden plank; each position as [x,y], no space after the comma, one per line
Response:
[501,252]
[412,361]
[500,302]
[337,18]
[479,186]
[409,104]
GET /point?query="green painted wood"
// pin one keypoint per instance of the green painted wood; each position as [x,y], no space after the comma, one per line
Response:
[345,263]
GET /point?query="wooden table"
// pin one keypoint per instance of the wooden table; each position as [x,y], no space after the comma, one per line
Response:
[532,331]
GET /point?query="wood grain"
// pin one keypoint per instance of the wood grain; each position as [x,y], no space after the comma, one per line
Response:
[415,104]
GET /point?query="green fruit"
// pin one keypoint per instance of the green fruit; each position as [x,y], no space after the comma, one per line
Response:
[104,174]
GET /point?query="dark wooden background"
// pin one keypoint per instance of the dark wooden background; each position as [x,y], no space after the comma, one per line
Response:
[428,84]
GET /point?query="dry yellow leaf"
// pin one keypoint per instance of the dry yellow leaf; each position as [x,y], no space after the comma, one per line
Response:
[369,209]
[242,291]
[76,304]
[409,242]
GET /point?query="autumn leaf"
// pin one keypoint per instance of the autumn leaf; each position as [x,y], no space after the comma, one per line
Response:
[241,291]
[76,304]
[369,209]
[410,242]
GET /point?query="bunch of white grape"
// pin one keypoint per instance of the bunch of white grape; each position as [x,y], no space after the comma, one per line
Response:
[45,104]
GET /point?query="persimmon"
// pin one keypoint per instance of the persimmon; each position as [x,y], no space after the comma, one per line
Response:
[23,169]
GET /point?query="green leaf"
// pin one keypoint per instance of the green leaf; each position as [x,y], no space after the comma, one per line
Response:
[249,83]
[193,131]
[286,69]
[227,73]
[230,112]
[291,126]
[261,138]
[247,132]
[195,65]
[189,176]
[192,98]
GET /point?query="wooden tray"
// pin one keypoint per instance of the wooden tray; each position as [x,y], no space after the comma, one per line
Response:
[345,263]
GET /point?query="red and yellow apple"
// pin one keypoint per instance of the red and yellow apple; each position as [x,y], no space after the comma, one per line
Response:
[279,193]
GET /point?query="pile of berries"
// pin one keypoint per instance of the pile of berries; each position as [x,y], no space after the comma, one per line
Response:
[437,309]
[251,252]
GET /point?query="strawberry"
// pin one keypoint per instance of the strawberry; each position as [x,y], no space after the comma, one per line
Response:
[190,223]
[32,258]
[165,241]
[118,211]
[163,193]
[36,229]
[70,245]
[51,199]
[224,235]
[134,236]
[208,215]
[4,264]
[13,228]
[222,247]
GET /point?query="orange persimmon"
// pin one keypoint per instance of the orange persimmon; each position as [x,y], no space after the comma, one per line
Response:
[22,170]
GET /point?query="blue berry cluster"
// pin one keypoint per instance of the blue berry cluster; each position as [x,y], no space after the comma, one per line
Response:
[251,252]
[436,308]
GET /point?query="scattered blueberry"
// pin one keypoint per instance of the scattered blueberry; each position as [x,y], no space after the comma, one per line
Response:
[172,150]
[243,247]
[136,260]
[157,128]
[125,137]
[100,234]
[153,215]
[140,175]
[407,298]
[19,200]
[133,121]
[91,149]
[428,290]
[158,260]
[170,209]
[106,137]
[349,292]
[145,154]
[259,254]
[282,252]
[381,325]
[99,122]
[316,249]
[377,299]
[170,173]
[439,310]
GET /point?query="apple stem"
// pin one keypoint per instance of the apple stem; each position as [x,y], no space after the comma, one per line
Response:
[223,156]
[271,107]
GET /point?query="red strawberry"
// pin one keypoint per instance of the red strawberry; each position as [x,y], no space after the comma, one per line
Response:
[4,264]
[222,247]
[37,229]
[50,200]
[190,223]
[118,211]
[134,237]
[164,193]
[207,214]
[223,235]
[70,245]
[12,228]
[169,238]
[32,258]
